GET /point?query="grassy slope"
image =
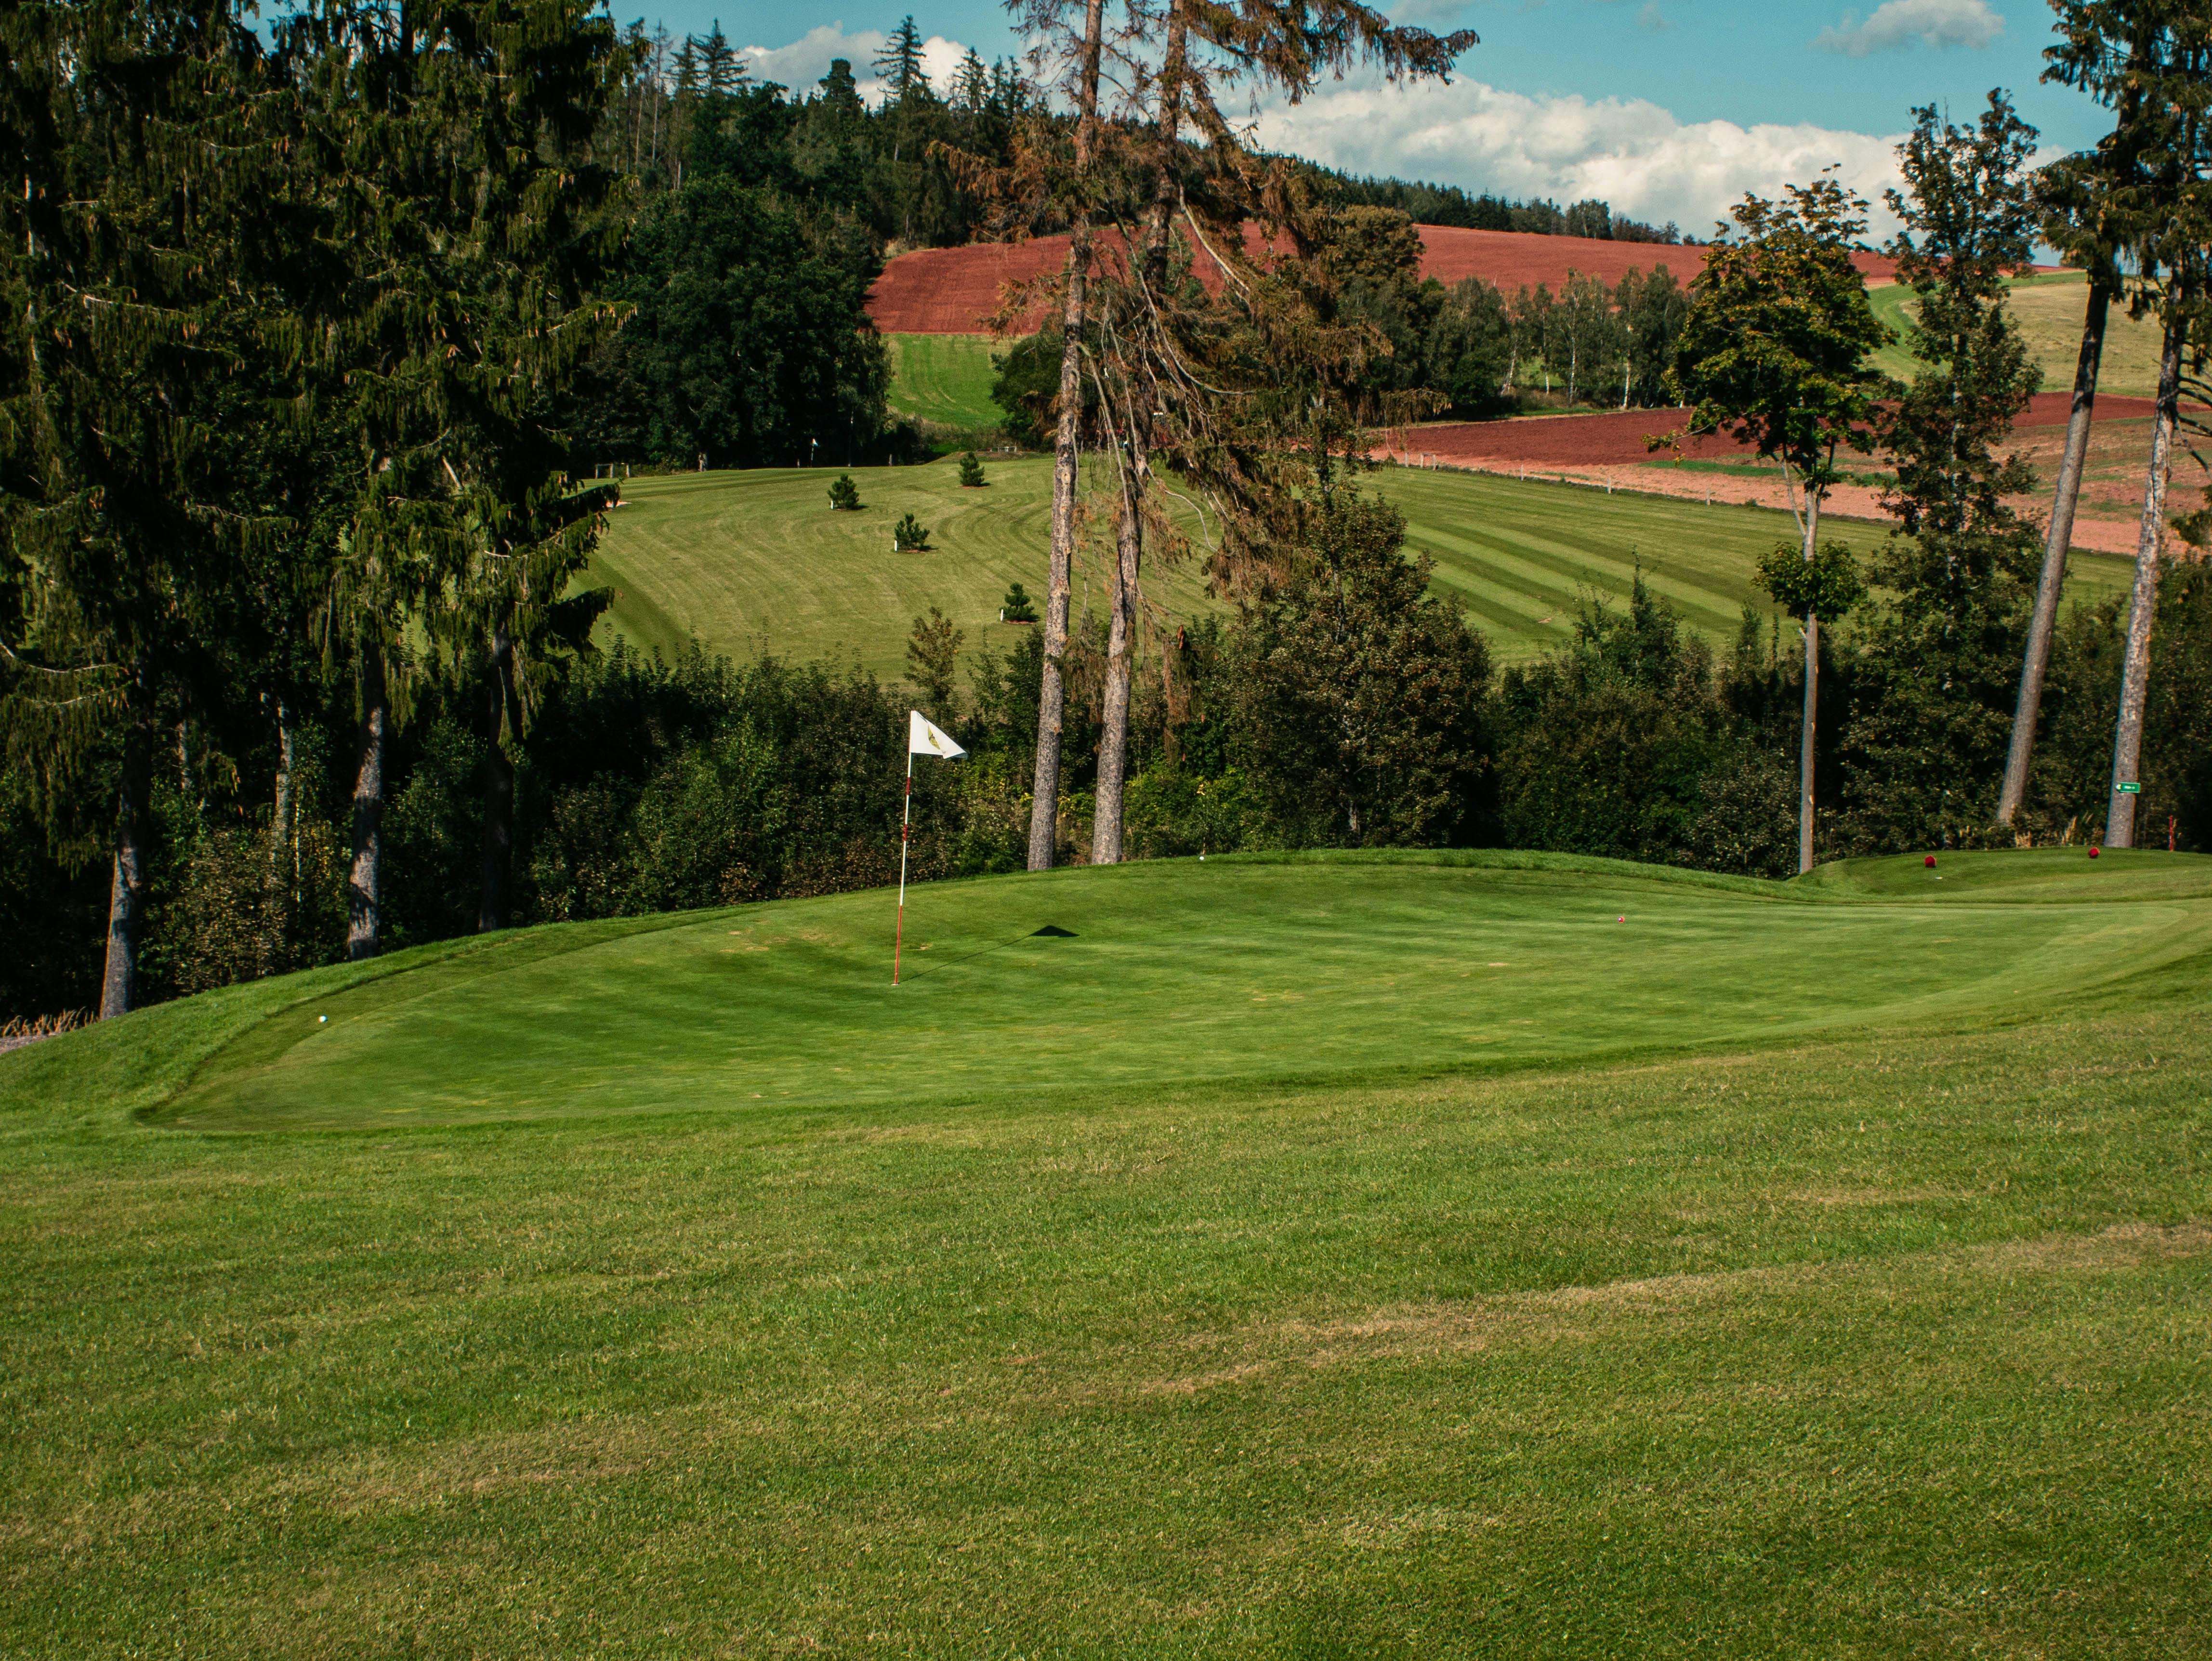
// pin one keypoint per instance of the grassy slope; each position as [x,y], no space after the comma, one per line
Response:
[753,558]
[2050,313]
[944,378]
[1889,1340]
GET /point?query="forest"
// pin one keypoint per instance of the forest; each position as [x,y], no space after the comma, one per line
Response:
[297,656]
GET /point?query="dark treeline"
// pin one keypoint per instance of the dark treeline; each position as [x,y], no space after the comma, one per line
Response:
[1448,204]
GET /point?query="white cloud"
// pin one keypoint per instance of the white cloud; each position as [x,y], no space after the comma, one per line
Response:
[1651,18]
[807,60]
[1897,24]
[1629,152]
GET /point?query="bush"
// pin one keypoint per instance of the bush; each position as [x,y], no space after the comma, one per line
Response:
[971,472]
[911,536]
[1017,606]
[844,495]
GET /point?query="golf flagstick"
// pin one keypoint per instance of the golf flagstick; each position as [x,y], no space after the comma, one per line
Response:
[921,739]
[906,821]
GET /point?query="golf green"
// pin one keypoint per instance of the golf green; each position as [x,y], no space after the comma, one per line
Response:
[1238,969]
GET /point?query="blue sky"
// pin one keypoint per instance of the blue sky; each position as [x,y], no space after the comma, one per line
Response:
[1668,108]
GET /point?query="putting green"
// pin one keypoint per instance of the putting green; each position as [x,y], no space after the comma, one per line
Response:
[1234,971]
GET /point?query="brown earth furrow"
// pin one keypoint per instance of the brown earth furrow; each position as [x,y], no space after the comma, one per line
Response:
[956,290]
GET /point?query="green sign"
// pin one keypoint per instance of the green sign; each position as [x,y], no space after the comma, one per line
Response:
[2129,789]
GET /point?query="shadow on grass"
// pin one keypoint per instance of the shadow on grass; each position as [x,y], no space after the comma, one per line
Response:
[1050,932]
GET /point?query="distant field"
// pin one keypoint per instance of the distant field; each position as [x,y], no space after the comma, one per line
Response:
[1459,1255]
[2050,313]
[751,559]
[944,378]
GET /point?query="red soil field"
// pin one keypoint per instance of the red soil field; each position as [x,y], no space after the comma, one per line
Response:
[1587,441]
[952,291]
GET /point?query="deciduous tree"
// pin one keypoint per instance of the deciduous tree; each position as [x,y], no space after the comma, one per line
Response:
[1774,350]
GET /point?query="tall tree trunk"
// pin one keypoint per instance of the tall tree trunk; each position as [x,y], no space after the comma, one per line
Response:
[2150,541]
[1124,590]
[499,794]
[2057,538]
[284,855]
[127,902]
[364,886]
[1121,642]
[1052,692]
[1812,696]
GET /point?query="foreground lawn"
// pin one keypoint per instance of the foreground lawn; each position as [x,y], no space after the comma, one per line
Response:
[1881,1329]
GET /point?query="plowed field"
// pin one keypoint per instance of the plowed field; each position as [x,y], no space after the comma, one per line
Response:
[1603,440]
[953,290]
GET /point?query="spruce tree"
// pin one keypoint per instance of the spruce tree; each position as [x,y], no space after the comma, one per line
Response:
[135,172]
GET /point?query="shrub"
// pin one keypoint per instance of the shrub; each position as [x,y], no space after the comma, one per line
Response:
[844,495]
[910,535]
[971,472]
[1017,606]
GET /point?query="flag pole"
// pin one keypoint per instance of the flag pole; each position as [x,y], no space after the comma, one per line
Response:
[906,818]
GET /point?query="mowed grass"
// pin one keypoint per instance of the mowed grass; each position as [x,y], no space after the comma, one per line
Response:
[747,560]
[944,377]
[1878,1330]
[2049,308]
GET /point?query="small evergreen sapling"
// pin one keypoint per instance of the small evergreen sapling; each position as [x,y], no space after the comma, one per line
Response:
[844,495]
[971,472]
[930,653]
[1017,606]
[911,536]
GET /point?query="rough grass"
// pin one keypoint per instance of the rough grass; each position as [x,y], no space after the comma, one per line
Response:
[1890,1342]
[945,379]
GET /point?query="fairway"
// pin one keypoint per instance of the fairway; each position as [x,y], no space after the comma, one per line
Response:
[945,379]
[1422,1255]
[747,560]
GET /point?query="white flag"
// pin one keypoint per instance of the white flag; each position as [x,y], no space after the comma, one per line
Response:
[924,739]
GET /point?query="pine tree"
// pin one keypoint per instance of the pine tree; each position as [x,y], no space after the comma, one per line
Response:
[719,67]
[899,64]
[1181,62]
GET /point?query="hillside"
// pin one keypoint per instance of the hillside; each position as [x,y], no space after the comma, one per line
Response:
[954,290]
[1442,1256]
[747,560]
